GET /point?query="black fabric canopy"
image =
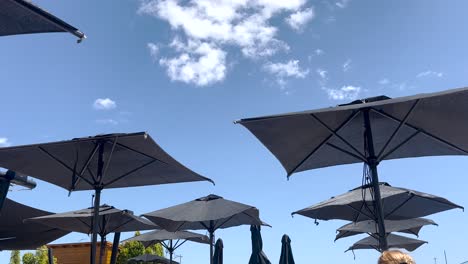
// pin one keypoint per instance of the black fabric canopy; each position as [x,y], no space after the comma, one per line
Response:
[258,256]
[149,258]
[394,241]
[23,17]
[17,235]
[286,256]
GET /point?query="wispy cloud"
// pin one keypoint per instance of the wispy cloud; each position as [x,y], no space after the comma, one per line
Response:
[290,69]
[348,92]
[108,121]
[384,81]
[323,74]
[4,142]
[430,73]
[153,49]
[299,19]
[104,104]
[347,65]
[342,3]
[319,52]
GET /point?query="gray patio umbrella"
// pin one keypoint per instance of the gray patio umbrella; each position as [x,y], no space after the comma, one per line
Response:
[23,17]
[149,258]
[17,235]
[95,163]
[160,236]
[286,256]
[409,226]
[206,213]
[369,130]
[218,254]
[111,220]
[394,241]
[258,256]
[398,204]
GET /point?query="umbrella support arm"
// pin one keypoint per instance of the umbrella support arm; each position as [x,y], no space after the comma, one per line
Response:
[372,163]
[115,247]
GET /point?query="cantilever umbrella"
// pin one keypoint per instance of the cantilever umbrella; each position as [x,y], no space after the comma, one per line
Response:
[206,213]
[23,17]
[160,236]
[394,241]
[369,130]
[17,235]
[218,254]
[149,258]
[258,256]
[286,256]
[96,163]
[409,226]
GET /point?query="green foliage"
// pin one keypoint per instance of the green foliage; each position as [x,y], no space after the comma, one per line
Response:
[29,258]
[155,249]
[134,248]
[40,257]
[15,257]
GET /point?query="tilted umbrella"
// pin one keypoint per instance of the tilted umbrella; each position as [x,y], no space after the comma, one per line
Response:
[111,220]
[95,163]
[394,241]
[206,213]
[149,258]
[409,226]
[17,235]
[23,17]
[369,131]
[398,204]
[286,256]
[160,236]
[258,256]
[218,254]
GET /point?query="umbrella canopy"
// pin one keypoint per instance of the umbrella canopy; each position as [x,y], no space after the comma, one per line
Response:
[17,235]
[398,204]
[218,254]
[258,256]
[286,256]
[207,213]
[151,259]
[23,17]
[394,241]
[409,226]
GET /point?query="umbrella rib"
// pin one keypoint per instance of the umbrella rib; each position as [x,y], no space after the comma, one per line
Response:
[359,213]
[370,217]
[351,117]
[63,164]
[401,205]
[178,245]
[85,166]
[422,131]
[402,122]
[141,153]
[128,173]
[109,159]
[441,202]
[399,145]
[346,152]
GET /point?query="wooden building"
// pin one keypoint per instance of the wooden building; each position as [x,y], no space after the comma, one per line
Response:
[79,253]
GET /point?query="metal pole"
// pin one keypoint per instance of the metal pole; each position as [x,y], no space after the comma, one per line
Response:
[171,250]
[115,247]
[50,255]
[372,163]
[211,246]
[102,248]
[97,201]
[445,255]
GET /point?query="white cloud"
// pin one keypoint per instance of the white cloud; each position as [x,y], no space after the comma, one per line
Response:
[300,18]
[342,3]
[347,65]
[319,52]
[289,69]
[199,63]
[344,93]
[430,73]
[104,104]
[108,121]
[4,142]
[384,81]
[322,73]
[153,49]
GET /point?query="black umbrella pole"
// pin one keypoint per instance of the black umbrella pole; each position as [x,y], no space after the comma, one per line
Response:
[211,247]
[171,250]
[97,200]
[115,247]
[50,256]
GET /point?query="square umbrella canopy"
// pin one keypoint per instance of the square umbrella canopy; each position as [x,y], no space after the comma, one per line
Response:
[17,235]
[394,241]
[23,17]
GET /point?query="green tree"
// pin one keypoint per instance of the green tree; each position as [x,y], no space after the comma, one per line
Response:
[135,248]
[40,257]
[15,257]
[29,258]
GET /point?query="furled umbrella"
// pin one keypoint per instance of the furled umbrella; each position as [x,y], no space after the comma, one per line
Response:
[409,226]
[398,204]
[286,256]
[24,17]
[111,220]
[161,236]
[218,254]
[394,241]
[369,130]
[97,163]
[150,258]
[258,256]
[206,213]
[17,235]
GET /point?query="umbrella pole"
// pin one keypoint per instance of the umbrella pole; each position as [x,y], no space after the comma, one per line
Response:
[372,163]
[211,246]
[115,247]
[102,248]
[50,255]
[171,250]
[97,200]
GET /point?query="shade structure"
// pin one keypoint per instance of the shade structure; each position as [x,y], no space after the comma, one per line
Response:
[258,256]
[218,254]
[286,256]
[369,130]
[394,241]
[17,235]
[98,162]
[23,17]
[161,236]
[206,213]
[149,258]
[409,226]
[398,204]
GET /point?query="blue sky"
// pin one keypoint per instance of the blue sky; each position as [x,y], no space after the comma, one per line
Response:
[184,70]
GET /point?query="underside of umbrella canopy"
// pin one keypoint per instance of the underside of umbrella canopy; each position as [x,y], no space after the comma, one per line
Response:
[151,259]
[17,235]
[23,17]
[394,241]
[157,236]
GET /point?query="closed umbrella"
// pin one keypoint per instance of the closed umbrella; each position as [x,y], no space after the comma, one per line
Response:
[369,130]
[149,258]
[23,17]
[409,226]
[258,256]
[394,241]
[95,163]
[286,256]
[206,213]
[218,254]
